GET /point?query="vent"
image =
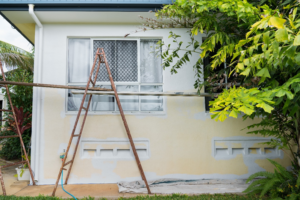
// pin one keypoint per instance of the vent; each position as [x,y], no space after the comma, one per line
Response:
[114,149]
[253,147]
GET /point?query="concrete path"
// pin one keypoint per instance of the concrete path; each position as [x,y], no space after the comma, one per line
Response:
[12,185]
[111,191]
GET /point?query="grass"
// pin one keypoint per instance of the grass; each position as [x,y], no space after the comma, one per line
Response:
[156,197]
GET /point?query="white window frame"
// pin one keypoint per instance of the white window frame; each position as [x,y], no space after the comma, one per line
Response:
[139,112]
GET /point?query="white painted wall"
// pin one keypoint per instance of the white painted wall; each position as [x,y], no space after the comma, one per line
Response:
[180,141]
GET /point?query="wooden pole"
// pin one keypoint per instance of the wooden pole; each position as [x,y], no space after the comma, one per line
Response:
[75,126]
[2,183]
[18,128]
[52,86]
[182,94]
[138,162]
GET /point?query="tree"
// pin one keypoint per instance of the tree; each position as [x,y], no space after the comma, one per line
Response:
[259,42]
[21,96]
[13,56]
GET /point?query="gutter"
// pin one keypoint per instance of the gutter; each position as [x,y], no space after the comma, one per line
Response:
[37,95]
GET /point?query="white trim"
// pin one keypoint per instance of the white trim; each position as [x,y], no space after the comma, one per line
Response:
[37,97]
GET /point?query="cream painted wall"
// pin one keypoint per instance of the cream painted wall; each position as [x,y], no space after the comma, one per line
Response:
[181,142]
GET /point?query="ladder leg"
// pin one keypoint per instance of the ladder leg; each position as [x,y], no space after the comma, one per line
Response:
[125,123]
[83,122]
[2,183]
[75,125]
[78,139]
[17,127]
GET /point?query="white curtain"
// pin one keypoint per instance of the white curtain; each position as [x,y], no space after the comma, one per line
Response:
[103,102]
[151,69]
[74,100]
[78,60]
[151,103]
[129,103]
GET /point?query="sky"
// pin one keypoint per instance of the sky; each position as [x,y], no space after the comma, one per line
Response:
[10,35]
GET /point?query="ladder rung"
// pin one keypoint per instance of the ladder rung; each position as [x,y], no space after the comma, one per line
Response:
[75,135]
[68,162]
[108,90]
[64,168]
[84,108]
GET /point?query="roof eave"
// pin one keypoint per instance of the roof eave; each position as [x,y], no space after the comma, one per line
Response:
[84,7]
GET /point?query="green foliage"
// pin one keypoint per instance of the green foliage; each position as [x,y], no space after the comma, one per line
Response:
[281,184]
[21,96]
[13,56]
[260,43]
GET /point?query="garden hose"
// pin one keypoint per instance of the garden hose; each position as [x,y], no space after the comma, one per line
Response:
[62,184]
[62,156]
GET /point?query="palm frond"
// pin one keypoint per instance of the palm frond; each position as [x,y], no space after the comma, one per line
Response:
[13,56]
[256,186]
[260,174]
[269,185]
[283,172]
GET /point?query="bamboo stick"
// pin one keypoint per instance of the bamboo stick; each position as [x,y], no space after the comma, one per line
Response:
[52,86]
[183,94]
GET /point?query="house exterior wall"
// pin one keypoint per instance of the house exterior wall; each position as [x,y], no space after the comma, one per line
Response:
[4,104]
[182,143]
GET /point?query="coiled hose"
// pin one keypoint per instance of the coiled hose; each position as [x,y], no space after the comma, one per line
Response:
[62,184]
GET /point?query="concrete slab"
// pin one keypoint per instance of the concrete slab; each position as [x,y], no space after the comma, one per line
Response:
[12,185]
[109,191]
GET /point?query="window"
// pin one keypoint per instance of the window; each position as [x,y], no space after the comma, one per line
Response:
[134,67]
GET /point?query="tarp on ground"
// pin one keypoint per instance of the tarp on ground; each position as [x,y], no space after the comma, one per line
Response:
[179,186]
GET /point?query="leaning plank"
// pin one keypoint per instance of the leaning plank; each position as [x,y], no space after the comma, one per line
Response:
[16,163]
[52,86]
[9,136]
[183,94]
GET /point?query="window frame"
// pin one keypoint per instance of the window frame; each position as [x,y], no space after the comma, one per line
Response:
[117,83]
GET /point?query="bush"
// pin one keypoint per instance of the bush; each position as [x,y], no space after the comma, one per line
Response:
[282,184]
[21,96]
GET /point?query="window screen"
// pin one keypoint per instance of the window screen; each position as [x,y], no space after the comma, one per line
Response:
[122,58]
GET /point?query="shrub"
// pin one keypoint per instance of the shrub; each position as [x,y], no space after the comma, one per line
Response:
[21,96]
[282,184]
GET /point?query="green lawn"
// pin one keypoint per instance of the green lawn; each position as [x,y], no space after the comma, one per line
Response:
[170,197]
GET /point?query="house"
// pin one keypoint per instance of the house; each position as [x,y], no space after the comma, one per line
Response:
[3,105]
[174,136]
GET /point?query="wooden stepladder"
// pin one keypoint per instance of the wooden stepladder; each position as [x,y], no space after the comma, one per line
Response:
[101,58]
[10,136]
